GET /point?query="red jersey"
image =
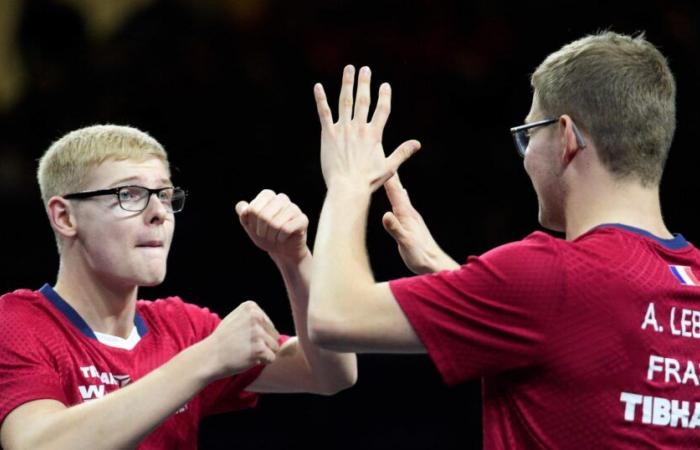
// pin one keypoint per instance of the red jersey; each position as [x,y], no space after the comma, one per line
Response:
[47,351]
[585,344]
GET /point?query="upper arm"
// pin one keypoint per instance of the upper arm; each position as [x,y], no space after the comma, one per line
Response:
[24,420]
[493,314]
[373,323]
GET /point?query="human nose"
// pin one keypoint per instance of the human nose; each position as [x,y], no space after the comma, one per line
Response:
[156,210]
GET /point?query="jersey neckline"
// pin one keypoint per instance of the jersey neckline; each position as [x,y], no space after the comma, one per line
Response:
[72,315]
[678,242]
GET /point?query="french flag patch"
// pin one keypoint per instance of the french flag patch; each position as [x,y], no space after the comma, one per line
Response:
[684,275]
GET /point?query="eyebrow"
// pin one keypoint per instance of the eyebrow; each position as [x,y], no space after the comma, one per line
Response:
[166,181]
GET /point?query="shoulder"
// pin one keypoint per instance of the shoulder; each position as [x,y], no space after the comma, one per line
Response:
[536,247]
[21,305]
[28,323]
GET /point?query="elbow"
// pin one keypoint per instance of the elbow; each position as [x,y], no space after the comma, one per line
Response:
[341,382]
[324,331]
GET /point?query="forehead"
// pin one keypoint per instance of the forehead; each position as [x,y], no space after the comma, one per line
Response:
[150,173]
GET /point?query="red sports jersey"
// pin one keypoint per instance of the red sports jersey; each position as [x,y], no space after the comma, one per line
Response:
[47,351]
[586,344]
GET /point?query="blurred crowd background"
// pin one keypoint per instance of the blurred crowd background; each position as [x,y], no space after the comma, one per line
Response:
[226,87]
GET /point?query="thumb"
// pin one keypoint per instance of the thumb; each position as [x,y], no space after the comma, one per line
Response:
[393,226]
[402,153]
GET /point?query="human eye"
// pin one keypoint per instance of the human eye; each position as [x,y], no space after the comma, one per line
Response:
[131,193]
[166,195]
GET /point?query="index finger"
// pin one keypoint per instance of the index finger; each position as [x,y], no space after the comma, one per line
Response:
[381,112]
[394,189]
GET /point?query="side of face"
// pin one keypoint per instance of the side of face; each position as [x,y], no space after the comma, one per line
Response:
[122,248]
[543,165]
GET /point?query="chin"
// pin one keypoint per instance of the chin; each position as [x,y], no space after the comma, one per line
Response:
[151,278]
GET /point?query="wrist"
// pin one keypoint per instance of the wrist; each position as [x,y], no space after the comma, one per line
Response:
[348,186]
[293,260]
[203,361]
[441,261]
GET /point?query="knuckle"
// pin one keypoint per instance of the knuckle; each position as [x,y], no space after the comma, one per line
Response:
[250,306]
[346,102]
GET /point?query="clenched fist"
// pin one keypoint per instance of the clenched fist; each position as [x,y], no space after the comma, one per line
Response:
[244,338]
[275,224]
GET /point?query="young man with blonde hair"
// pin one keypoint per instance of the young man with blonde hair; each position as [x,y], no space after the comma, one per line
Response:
[84,364]
[582,342]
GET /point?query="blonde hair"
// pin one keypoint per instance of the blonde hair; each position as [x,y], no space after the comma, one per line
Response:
[620,90]
[65,166]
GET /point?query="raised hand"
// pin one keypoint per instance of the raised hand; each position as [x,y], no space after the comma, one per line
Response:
[417,247]
[351,148]
[244,338]
[275,225]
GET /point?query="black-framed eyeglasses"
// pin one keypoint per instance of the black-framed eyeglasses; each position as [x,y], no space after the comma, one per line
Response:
[521,134]
[136,198]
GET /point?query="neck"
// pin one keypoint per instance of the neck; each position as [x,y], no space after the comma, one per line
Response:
[612,201]
[107,308]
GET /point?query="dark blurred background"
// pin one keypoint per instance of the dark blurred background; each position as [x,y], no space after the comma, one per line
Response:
[226,86]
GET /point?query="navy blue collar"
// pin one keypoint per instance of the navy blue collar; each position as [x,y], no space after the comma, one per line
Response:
[676,243]
[72,315]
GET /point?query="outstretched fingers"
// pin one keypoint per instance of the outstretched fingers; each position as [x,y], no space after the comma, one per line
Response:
[324,111]
[383,109]
[345,100]
[363,99]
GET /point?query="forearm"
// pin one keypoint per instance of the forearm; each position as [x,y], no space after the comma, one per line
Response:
[341,275]
[330,370]
[123,418]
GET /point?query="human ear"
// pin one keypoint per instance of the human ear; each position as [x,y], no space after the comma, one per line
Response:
[61,216]
[571,138]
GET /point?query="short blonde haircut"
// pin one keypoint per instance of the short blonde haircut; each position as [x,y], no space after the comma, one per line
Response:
[621,91]
[65,166]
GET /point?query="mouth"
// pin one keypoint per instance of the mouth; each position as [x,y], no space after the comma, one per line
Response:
[150,244]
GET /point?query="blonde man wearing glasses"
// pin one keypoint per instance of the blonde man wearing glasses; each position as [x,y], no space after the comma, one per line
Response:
[85,364]
[584,342]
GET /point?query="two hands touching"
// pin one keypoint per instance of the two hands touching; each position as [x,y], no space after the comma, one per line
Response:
[352,155]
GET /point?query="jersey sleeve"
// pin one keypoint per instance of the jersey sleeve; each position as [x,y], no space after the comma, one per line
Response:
[492,314]
[227,394]
[27,370]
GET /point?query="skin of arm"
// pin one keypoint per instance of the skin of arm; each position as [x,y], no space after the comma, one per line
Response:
[277,226]
[244,338]
[349,310]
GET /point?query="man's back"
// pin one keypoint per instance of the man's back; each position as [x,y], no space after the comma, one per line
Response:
[580,344]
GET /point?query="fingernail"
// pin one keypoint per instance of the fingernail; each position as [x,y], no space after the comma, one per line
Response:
[366,71]
[349,69]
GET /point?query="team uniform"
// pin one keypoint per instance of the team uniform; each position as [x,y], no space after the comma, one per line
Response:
[585,344]
[47,351]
